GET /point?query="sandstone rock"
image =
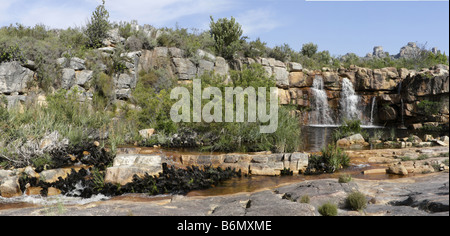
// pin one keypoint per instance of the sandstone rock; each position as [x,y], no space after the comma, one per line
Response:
[184,68]
[146,133]
[356,139]
[298,161]
[423,84]
[68,78]
[387,113]
[295,67]
[284,96]
[124,81]
[14,77]
[82,77]
[205,55]
[123,94]
[9,186]
[221,66]
[281,76]
[298,79]
[51,176]
[125,166]
[269,168]
[204,66]
[397,169]
[343,142]
[176,52]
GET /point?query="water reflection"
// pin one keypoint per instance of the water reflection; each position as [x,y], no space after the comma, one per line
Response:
[315,137]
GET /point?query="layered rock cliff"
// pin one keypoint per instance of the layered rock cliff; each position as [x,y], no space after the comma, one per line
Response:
[386,96]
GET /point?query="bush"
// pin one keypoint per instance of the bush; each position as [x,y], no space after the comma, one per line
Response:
[429,107]
[328,209]
[345,178]
[356,201]
[305,199]
[348,127]
[309,49]
[98,26]
[227,36]
[332,159]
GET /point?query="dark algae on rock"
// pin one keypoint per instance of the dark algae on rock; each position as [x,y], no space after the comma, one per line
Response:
[88,182]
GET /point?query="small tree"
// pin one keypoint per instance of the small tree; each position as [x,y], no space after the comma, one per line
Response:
[97,28]
[227,36]
[309,49]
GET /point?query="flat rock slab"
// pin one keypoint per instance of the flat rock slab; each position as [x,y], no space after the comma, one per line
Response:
[411,196]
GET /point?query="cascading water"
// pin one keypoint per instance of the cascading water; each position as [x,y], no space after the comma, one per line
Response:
[321,114]
[374,102]
[349,101]
[402,125]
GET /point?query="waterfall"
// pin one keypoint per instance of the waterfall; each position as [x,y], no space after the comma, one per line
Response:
[374,101]
[321,113]
[349,101]
[402,125]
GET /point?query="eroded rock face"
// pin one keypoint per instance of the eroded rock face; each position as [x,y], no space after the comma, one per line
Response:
[14,77]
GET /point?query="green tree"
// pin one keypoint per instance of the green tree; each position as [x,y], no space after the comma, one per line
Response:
[97,28]
[309,49]
[227,35]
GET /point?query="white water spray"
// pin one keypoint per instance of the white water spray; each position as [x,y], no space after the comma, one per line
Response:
[374,101]
[349,101]
[321,111]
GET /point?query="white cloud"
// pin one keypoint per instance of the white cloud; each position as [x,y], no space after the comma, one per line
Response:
[162,12]
[257,21]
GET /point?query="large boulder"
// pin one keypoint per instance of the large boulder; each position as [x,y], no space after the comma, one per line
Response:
[14,77]
[184,68]
[125,166]
[281,76]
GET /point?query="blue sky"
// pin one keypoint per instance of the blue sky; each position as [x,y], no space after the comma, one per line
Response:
[336,26]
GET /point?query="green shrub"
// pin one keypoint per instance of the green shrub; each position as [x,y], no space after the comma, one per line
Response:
[356,201]
[328,209]
[309,49]
[348,127]
[227,36]
[345,178]
[305,199]
[331,159]
[98,26]
[429,107]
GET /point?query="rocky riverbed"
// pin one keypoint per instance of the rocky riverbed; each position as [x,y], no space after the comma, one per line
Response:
[420,187]
[414,196]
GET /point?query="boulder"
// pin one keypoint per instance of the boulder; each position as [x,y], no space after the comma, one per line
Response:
[205,55]
[125,166]
[146,133]
[176,52]
[9,186]
[68,78]
[204,66]
[184,68]
[298,79]
[295,67]
[387,113]
[298,161]
[14,77]
[281,76]
[397,169]
[284,96]
[82,77]
[221,66]
[125,81]
[356,139]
